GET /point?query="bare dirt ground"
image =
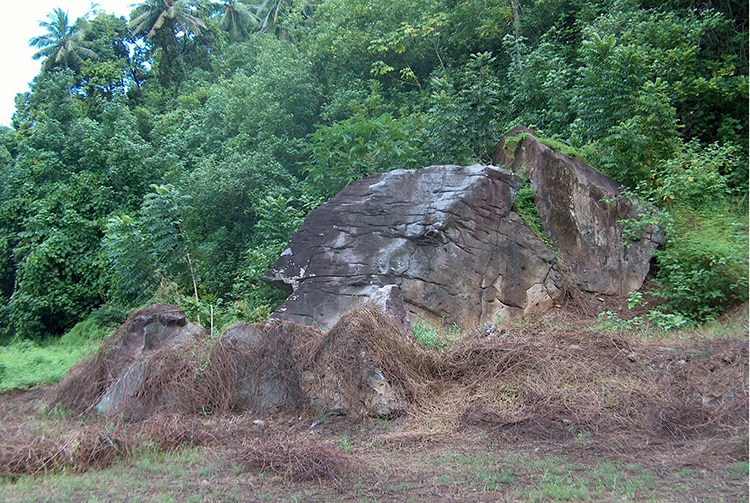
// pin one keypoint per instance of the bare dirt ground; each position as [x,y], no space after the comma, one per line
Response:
[541,410]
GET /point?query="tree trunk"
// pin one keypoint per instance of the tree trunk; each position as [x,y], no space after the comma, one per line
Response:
[516,18]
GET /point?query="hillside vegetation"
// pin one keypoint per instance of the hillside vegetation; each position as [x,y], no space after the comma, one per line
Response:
[171,155]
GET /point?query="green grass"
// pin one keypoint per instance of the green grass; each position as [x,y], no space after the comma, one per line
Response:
[201,474]
[25,364]
[432,337]
[549,478]
[737,470]
[150,476]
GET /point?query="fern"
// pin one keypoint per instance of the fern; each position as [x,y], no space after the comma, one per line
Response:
[131,270]
[143,250]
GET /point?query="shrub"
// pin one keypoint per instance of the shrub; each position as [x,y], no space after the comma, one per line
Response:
[704,267]
[527,209]
[359,147]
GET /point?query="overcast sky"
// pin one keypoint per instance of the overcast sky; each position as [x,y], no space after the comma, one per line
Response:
[18,24]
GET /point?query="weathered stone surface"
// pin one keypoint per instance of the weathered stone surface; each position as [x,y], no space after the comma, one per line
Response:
[445,235]
[144,337]
[358,368]
[582,210]
[262,371]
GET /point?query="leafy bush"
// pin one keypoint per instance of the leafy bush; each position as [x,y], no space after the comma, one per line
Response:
[609,321]
[151,246]
[95,327]
[359,147]
[462,124]
[705,266]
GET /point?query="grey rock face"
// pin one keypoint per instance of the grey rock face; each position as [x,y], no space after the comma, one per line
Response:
[445,235]
[146,336]
[582,212]
[263,370]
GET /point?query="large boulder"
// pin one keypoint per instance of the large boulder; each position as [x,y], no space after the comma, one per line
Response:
[582,211]
[445,235]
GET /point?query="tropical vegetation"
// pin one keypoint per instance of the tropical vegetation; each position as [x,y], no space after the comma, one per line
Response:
[171,155]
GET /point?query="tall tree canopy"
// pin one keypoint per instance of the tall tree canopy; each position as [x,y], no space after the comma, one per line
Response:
[63,44]
[168,24]
[237,19]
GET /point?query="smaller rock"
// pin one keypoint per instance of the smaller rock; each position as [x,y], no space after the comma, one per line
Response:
[129,358]
[490,330]
[388,298]
[259,367]
[352,372]
[582,212]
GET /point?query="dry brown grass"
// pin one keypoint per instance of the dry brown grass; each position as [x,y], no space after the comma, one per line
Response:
[173,431]
[298,461]
[560,384]
[83,448]
[546,380]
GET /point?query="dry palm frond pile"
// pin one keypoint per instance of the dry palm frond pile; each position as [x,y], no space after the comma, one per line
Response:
[364,343]
[548,383]
[86,447]
[299,462]
[256,367]
[536,381]
[83,387]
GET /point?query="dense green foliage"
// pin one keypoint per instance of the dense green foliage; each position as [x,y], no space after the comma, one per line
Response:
[176,152]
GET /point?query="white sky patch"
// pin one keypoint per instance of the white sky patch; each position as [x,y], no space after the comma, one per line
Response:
[19,23]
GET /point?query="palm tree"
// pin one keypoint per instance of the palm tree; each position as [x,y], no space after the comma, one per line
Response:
[153,15]
[62,45]
[162,21]
[236,19]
